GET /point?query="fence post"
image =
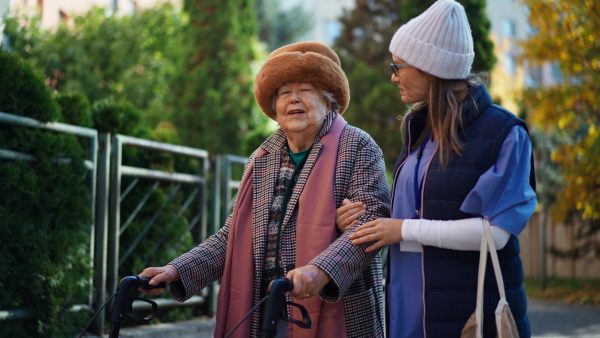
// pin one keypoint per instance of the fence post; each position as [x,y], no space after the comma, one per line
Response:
[101,230]
[204,233]
[114,216]
[92,179]
[214,226]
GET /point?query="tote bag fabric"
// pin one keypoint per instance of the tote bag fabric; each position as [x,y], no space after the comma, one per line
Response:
[505,323]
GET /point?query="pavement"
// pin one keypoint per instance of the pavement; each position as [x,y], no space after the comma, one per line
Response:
[563,320]
[198,328]
[548,320]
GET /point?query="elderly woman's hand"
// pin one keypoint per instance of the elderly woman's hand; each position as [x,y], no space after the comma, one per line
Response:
[308,281]
[347,215]
[165,274]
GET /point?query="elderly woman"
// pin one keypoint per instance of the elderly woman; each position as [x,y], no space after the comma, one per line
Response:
[283,222]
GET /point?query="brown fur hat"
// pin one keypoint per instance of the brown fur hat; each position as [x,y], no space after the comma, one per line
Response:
[311,62]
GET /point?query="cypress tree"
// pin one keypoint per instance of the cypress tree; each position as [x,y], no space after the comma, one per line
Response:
[480,28]
[363,49]
[212,94]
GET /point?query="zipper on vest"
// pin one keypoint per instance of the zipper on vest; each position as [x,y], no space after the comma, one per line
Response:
[401,165]
[422,246]
[422,211]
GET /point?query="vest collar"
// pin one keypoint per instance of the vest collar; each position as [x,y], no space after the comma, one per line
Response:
[474,104]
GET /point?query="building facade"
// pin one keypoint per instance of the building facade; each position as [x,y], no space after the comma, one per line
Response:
[52,12]
[510,26]
[326,26]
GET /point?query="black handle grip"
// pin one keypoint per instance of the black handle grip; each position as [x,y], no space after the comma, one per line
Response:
[275,308]
[144,284]
[123,302]
[126,285]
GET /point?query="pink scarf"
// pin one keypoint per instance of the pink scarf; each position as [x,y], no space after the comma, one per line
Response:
[315,231]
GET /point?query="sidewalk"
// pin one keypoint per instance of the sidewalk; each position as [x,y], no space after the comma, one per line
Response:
[563,320]
[548,320]
[198,328]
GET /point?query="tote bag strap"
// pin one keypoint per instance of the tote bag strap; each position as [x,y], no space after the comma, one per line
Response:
[487,241]
[495,262]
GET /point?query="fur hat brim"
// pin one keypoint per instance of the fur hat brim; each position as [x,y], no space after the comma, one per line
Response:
[311,62]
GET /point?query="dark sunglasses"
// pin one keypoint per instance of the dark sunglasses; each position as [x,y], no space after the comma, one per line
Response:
[396,66]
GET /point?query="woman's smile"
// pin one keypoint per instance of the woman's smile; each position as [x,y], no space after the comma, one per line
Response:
[296,112]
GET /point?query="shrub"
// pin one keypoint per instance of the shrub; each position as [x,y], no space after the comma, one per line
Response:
[74,109]
[45,212]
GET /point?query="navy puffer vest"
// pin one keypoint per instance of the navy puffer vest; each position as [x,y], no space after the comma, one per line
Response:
[450,276]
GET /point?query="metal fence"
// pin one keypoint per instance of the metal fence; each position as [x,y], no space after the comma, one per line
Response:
[91,135]
[111,182]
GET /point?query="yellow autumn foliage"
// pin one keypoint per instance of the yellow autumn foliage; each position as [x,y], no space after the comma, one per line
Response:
[567,33]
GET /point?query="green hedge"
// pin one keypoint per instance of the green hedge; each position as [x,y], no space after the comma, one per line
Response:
[45,212]
[45,205]
[35,195]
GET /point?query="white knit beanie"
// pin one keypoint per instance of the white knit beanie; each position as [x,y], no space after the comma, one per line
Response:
[438,41]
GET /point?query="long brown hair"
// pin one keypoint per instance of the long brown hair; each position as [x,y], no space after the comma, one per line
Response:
[444,118]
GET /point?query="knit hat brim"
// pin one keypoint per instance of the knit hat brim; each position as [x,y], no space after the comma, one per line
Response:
[431,59]
[438,41]
[310,62]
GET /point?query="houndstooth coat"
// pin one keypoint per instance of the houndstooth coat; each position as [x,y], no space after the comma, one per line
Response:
[356,277]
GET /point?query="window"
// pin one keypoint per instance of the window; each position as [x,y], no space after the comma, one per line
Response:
[510,64]
[508,28]
[333,29]
[556,73]
[531,30]
[132,7]
[534,76]
[112,6]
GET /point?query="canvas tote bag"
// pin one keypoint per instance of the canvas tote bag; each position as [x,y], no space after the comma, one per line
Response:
[505,323]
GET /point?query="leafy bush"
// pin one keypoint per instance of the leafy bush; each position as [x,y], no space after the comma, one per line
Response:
[23,92]
[124,57]
[74,109]
[116,117]
[45,212]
